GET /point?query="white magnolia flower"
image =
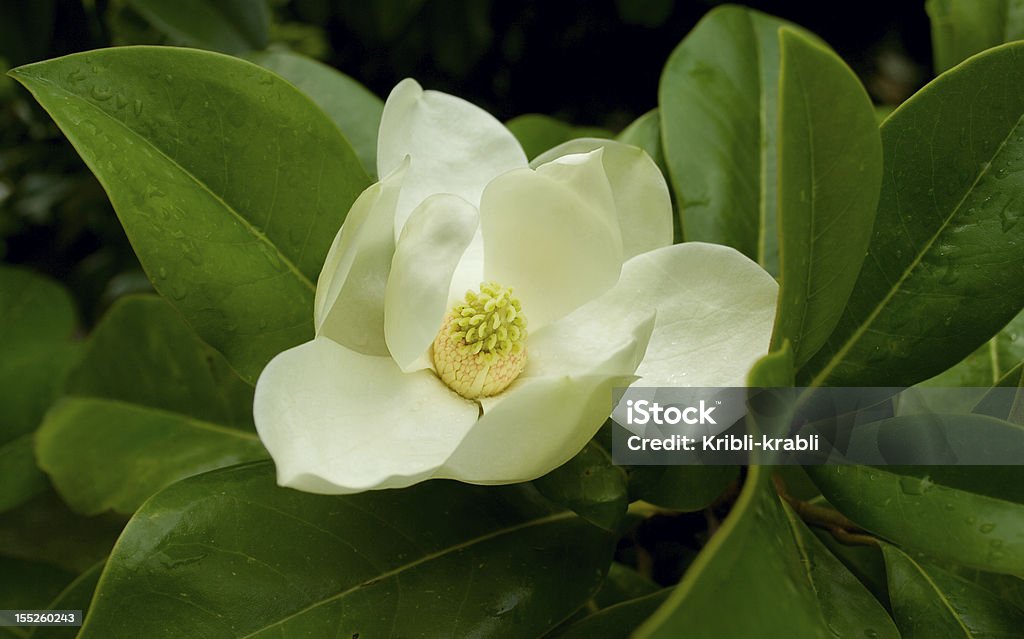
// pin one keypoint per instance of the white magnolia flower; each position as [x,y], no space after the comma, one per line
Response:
[410,377]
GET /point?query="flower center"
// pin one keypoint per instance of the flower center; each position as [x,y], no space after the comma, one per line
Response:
[481,347]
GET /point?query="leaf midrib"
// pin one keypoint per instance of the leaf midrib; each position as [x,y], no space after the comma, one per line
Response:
[259,235]
[837,358]
[941,596]
[494,534]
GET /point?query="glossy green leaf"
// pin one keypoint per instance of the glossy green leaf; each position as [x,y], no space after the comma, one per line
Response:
[683,488]
[774,370]
[718,101]
[229,182]
[971,515]
[990,363]
[44,530]
[353,108]
[865,562]
[961,28]
[229,553]
[945,270]
[614,622]
[229,26]
[590,485]
[750,568]
[37,319]
[645,132]
[149,401]
[538,133]
[930,603]
[846,604]
[76,596]
[829,172]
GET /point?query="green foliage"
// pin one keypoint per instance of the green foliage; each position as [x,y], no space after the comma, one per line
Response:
[230,183]
[149,400]
[829,171]
[354,110]
[229,26]
[895,236]
[945,267]
[538,133]
[36,321]
[719,93]
[930,603]
[440,558]
[961,28]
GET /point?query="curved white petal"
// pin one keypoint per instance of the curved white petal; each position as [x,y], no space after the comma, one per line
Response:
[455,146]
[552,235]
[432,243]
[715,310]
[336,421]
[540,422]
[641,194]
[349,302]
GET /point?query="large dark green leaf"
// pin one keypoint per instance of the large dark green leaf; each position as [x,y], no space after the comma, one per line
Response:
[829,172]
[230,183]
[614,622]
[590,485]
[229,26]
[846,604]
[930,603]
[989,364]
[752,569]
[968,514]
[961,28]
[945,270]
[354,109]
[149,401]
[37,318]
[229,553]
[718,102]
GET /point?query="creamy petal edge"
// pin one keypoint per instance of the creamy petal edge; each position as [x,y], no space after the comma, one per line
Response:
[337,421]
[349,302]
[417,297]
[455,146]
[552,236]
[642,199]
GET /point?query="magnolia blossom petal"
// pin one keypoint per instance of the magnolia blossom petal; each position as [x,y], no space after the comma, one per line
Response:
[641,194]
[455,146]
[715,310]
[540,422]
[432,243]
[336,421]
[349,302]
[552,235]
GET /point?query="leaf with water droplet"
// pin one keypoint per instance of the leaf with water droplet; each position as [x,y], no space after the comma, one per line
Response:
[500,557]
[211,190]
[923,242]
[929,602]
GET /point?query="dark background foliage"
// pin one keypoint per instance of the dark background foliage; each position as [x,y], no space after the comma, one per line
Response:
[588,63]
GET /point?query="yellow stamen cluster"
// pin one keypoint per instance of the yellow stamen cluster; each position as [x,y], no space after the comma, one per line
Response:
[481,347]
